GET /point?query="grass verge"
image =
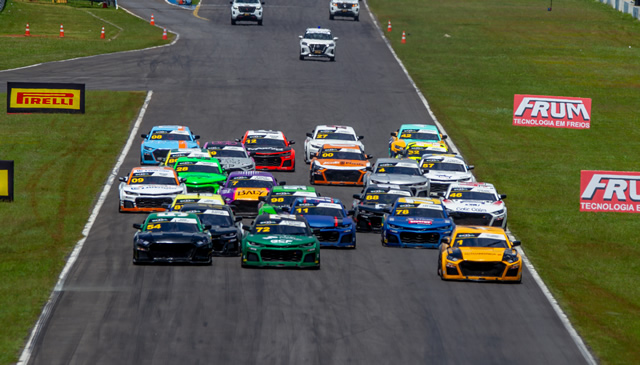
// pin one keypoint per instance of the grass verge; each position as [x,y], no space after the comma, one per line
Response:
[469,58]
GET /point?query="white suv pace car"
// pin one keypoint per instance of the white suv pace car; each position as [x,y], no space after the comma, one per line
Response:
[349,8]
[443,170]
[475,203]
[330,134]
[246,10]
[318,42]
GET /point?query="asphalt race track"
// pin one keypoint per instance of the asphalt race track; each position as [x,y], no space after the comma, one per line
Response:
[372,305]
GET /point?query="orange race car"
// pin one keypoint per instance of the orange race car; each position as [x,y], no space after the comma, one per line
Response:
[339,165]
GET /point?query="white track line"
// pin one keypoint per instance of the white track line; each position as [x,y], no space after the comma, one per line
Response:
[545,290]
[48,307]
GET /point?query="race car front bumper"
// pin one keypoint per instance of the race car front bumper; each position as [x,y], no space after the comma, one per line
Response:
[336,237]
[301,257]
[281,161]
[409,238]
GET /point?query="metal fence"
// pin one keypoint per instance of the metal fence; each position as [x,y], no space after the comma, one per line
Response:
[631,7]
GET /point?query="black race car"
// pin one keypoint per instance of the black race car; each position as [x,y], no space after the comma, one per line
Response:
[226,229]
[369,206]
[170,237]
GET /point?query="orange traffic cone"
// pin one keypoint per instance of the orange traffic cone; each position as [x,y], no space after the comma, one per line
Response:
[389,26]
[404,38]
[164,34]
[61,31]
[102,33]
[153,21]
[27,32]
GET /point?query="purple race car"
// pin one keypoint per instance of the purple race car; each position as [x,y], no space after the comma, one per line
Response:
[243,189]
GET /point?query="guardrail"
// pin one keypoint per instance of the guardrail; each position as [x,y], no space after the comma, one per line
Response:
[626,6]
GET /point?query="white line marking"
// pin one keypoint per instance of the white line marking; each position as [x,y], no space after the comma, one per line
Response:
[48,307]
[554,304]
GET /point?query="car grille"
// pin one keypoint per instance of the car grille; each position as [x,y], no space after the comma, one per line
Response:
[472,219]
[247,9]
[492,269]
[343,175]
[172,250]
[344,6]
[147,202]
[439,187]
[281,255]
[317,48]
[266,161]
[245,208]
[326,236]
[160,155]
[422,237]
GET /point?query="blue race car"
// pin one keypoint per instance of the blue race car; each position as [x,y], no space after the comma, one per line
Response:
[416,222]
[161,139]
[329,220]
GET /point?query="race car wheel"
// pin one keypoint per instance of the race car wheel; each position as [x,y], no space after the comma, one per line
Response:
[332,59]
[260,22]
[311,180]
[302,58]
[233,22]
[330,16]
[357,18]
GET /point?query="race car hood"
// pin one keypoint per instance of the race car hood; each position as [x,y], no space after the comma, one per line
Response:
[196,178]
[280,240]
[474,206]
[252,194]
[447,175]
[373,208]
[325,221]
[482,253]
[172,237]
[220,230]
[153,189]
[268,150]
[230,163]
[342,164]
[397,179]
[420,222]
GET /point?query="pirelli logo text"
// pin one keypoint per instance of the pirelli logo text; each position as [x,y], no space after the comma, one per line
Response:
[609,191]
[551,111]
[45,98]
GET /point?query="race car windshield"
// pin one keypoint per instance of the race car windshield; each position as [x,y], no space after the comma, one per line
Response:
[403,170]
[155,180]
[471,195]
[342,155]
[264,142]
[228,153]
[216,220]
[247,183]
[172,227]
[334,135]
[420,136]
[419,212]
[170,137]
[320,36]
[311,210]
[285,229]
[479,242]
[212,169]
[381,198]
[443,166]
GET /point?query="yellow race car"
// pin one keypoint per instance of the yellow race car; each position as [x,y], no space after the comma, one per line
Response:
[408,133]
[479,253]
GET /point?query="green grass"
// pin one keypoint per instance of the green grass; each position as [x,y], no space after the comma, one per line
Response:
[82,27]
[469,58]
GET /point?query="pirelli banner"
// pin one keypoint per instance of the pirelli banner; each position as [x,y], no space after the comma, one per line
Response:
[6,180]
[609,191]
[551,111]
[29,97]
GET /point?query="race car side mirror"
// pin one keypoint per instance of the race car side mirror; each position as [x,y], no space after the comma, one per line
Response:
[516,243]
[335,38]
[445,136]
[292,142]
[143,136]
[197,136]
[137,226]
[503,196]
[394,134]
[301,38]
[369,157]
[282,183]
[471,167]
[183,179]
[262,2]
[206,227]
[356,196]
[237,139]
[308,134]
[313,155]
[262,198]
[122,178]
[360,137]
[445,240]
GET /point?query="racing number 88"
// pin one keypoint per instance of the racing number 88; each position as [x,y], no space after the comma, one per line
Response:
[373,197]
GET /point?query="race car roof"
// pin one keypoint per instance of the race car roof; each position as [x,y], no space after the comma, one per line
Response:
[265,134]
[318,30]
[443,158]
[176,128]
[426,127]
[473,186]
[336,128]
[156,170]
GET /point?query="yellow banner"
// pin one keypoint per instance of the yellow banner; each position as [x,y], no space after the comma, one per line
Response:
[4,182]
[45,98]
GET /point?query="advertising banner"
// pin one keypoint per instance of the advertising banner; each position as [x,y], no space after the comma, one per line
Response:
[6,180]
[29,97]
[551,111]
[609,191]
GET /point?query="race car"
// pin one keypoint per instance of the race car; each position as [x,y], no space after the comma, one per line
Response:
[157,143]
[408,133]
[225,228]
[182,199]
[172,237]
[416,150]
[328,219]
[270,150]
[402,172]
[370,206]
[246,10]
[339,165]
[243,189]
[232,155]
[281,197]
[201,175]
[478,253]
[149,189]
[280,240]
[344,8]
[174,154]
[476,203]
[442,170]
[416,222]
[318,42]
[330,134]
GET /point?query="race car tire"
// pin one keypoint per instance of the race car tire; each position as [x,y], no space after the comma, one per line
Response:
[331,17]
[260,22]
[311,180]
[357,18]
[233,22]
[332,59]
[301,59]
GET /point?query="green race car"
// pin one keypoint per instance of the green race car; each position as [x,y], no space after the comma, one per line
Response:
[203,175]
[280,240]
[282,196]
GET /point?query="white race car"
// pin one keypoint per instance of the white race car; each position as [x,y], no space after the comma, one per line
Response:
[149,189]
[330,134]
[442,170]
[318,42]
[348,8]
[476,203]
[246,10]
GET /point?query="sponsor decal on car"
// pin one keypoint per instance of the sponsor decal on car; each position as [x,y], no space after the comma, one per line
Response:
[551,111]
[609,191]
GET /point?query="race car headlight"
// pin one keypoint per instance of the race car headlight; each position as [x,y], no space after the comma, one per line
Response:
[235,7]
[510,256]
[332,44]
[310,244]
[254,244]
[229,235]
[143,245]
[454,255]
[147,148]
[393,226]
[131,193]
[344,226]
[306,44]
[499,212]
[201,243]
[313,144]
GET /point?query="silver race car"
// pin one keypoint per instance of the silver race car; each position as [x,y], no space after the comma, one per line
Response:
[402,172]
